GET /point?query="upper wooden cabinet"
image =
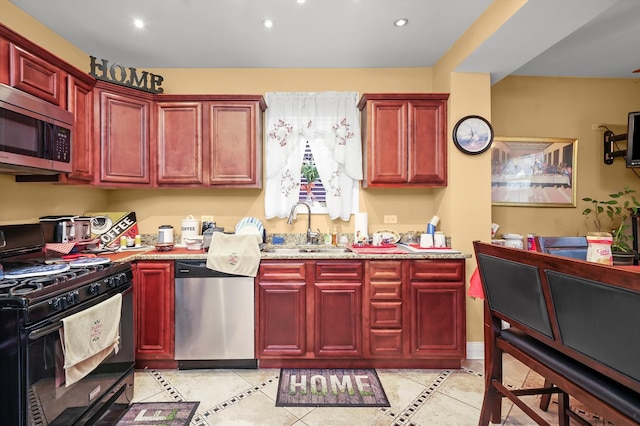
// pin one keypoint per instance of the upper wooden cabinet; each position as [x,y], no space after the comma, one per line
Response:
[80,103]
[234,140]
[179,143]
[404,139]
[36,76]
[210,140]
[121,128]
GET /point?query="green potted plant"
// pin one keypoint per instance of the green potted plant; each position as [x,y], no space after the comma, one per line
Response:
[617,209]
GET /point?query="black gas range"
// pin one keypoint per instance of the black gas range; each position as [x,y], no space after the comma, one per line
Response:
[36,295]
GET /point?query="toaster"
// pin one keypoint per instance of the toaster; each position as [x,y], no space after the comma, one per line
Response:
[66,229]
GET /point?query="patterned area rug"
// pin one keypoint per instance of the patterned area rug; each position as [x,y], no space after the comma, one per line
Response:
[308,387]
[159,413]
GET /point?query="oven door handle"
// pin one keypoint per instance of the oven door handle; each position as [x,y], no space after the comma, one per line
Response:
[41,332]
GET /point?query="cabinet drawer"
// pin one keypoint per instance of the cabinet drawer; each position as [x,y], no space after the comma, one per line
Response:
[386,314]
[437,270]
[385,270]
[385,342]
[331,271]
[284,271]
[385,290]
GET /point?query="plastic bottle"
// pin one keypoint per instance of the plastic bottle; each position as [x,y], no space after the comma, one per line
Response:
[334,237]
[327,237]
[531,242]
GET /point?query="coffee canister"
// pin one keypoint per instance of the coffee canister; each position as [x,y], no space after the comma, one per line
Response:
[165,234]
[188,229]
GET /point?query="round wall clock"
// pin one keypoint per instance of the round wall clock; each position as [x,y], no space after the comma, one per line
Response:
[473,134]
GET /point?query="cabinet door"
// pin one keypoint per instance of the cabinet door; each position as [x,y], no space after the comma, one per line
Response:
[179,154]
[281,309]
[337,308]
[154,310]
[427,142]
[338,319]
[234,140]
[80,103]
[123,132]
[437,319]
[386,151]
[36,76]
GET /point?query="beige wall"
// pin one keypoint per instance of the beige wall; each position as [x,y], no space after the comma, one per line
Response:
[565,108]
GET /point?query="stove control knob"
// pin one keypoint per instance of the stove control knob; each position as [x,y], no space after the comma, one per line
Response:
[112,282]
[94,289]
[59,303]
[55,304]
[122,278]
[73,297]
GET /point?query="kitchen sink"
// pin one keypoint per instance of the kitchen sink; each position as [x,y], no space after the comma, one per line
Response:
[306,249]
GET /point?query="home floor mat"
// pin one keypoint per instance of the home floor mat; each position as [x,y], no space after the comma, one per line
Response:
[309,387]
[159,413]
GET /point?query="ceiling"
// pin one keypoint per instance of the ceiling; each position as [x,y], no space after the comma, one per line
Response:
[573,38]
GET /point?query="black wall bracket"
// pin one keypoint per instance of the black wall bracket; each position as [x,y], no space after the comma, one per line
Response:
[609,152]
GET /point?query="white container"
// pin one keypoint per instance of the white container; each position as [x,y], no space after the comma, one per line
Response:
[188,229]
[513,240]
[165,234]
[439,240]
[426,241]
[599,248]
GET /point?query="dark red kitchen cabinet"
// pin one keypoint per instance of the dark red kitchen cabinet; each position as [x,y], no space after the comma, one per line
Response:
[437,309]
[383,308]
[37,76]
[179,143]
[154,314]
[234,140]
[337,308]
[80,103]
[281,309]
[404,139]
[122,128]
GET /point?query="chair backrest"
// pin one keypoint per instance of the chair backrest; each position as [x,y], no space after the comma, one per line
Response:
[574,247]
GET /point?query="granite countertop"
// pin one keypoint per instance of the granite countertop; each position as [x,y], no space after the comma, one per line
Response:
[183,253]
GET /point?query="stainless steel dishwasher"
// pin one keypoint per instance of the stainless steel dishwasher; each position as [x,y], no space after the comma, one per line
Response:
[214,318]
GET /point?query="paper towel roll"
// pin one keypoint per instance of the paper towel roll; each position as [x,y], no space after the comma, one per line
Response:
[361,231]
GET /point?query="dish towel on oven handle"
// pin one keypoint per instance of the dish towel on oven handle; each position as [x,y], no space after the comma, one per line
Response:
[234,254]
[90,336]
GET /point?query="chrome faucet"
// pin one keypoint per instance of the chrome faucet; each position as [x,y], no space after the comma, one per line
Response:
[312,237]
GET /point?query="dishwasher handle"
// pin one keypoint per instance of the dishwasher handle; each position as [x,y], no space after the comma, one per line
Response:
[197,268]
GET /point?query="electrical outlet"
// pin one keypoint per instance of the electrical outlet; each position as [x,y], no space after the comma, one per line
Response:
[205,218]
[391,218]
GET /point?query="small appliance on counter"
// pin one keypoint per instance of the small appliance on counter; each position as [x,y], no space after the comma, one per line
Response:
[66,228]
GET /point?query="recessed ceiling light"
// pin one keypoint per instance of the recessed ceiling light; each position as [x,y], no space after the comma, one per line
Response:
[401,22]
[268,23]
[138,23]
[300,1]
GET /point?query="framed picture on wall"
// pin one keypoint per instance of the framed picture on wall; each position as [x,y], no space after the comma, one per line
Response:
[537,172]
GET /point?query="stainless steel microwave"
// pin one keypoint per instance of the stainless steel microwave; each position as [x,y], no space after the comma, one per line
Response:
[35,136]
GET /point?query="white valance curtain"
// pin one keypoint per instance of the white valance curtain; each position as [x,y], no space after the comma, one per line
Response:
[330,123]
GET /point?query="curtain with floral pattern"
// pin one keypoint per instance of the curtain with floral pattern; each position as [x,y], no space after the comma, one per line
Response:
[329,122]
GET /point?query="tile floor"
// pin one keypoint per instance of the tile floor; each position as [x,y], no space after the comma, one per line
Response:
[417,397]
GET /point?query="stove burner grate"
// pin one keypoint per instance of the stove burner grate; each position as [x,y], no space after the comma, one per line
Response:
[24,288]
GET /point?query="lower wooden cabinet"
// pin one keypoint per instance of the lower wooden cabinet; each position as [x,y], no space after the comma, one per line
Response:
[361,313]
[154,314]
[281,323]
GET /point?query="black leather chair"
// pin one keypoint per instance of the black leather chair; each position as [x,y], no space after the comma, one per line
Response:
[574,247]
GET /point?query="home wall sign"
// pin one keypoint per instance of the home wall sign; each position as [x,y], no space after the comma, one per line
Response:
[116,73]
